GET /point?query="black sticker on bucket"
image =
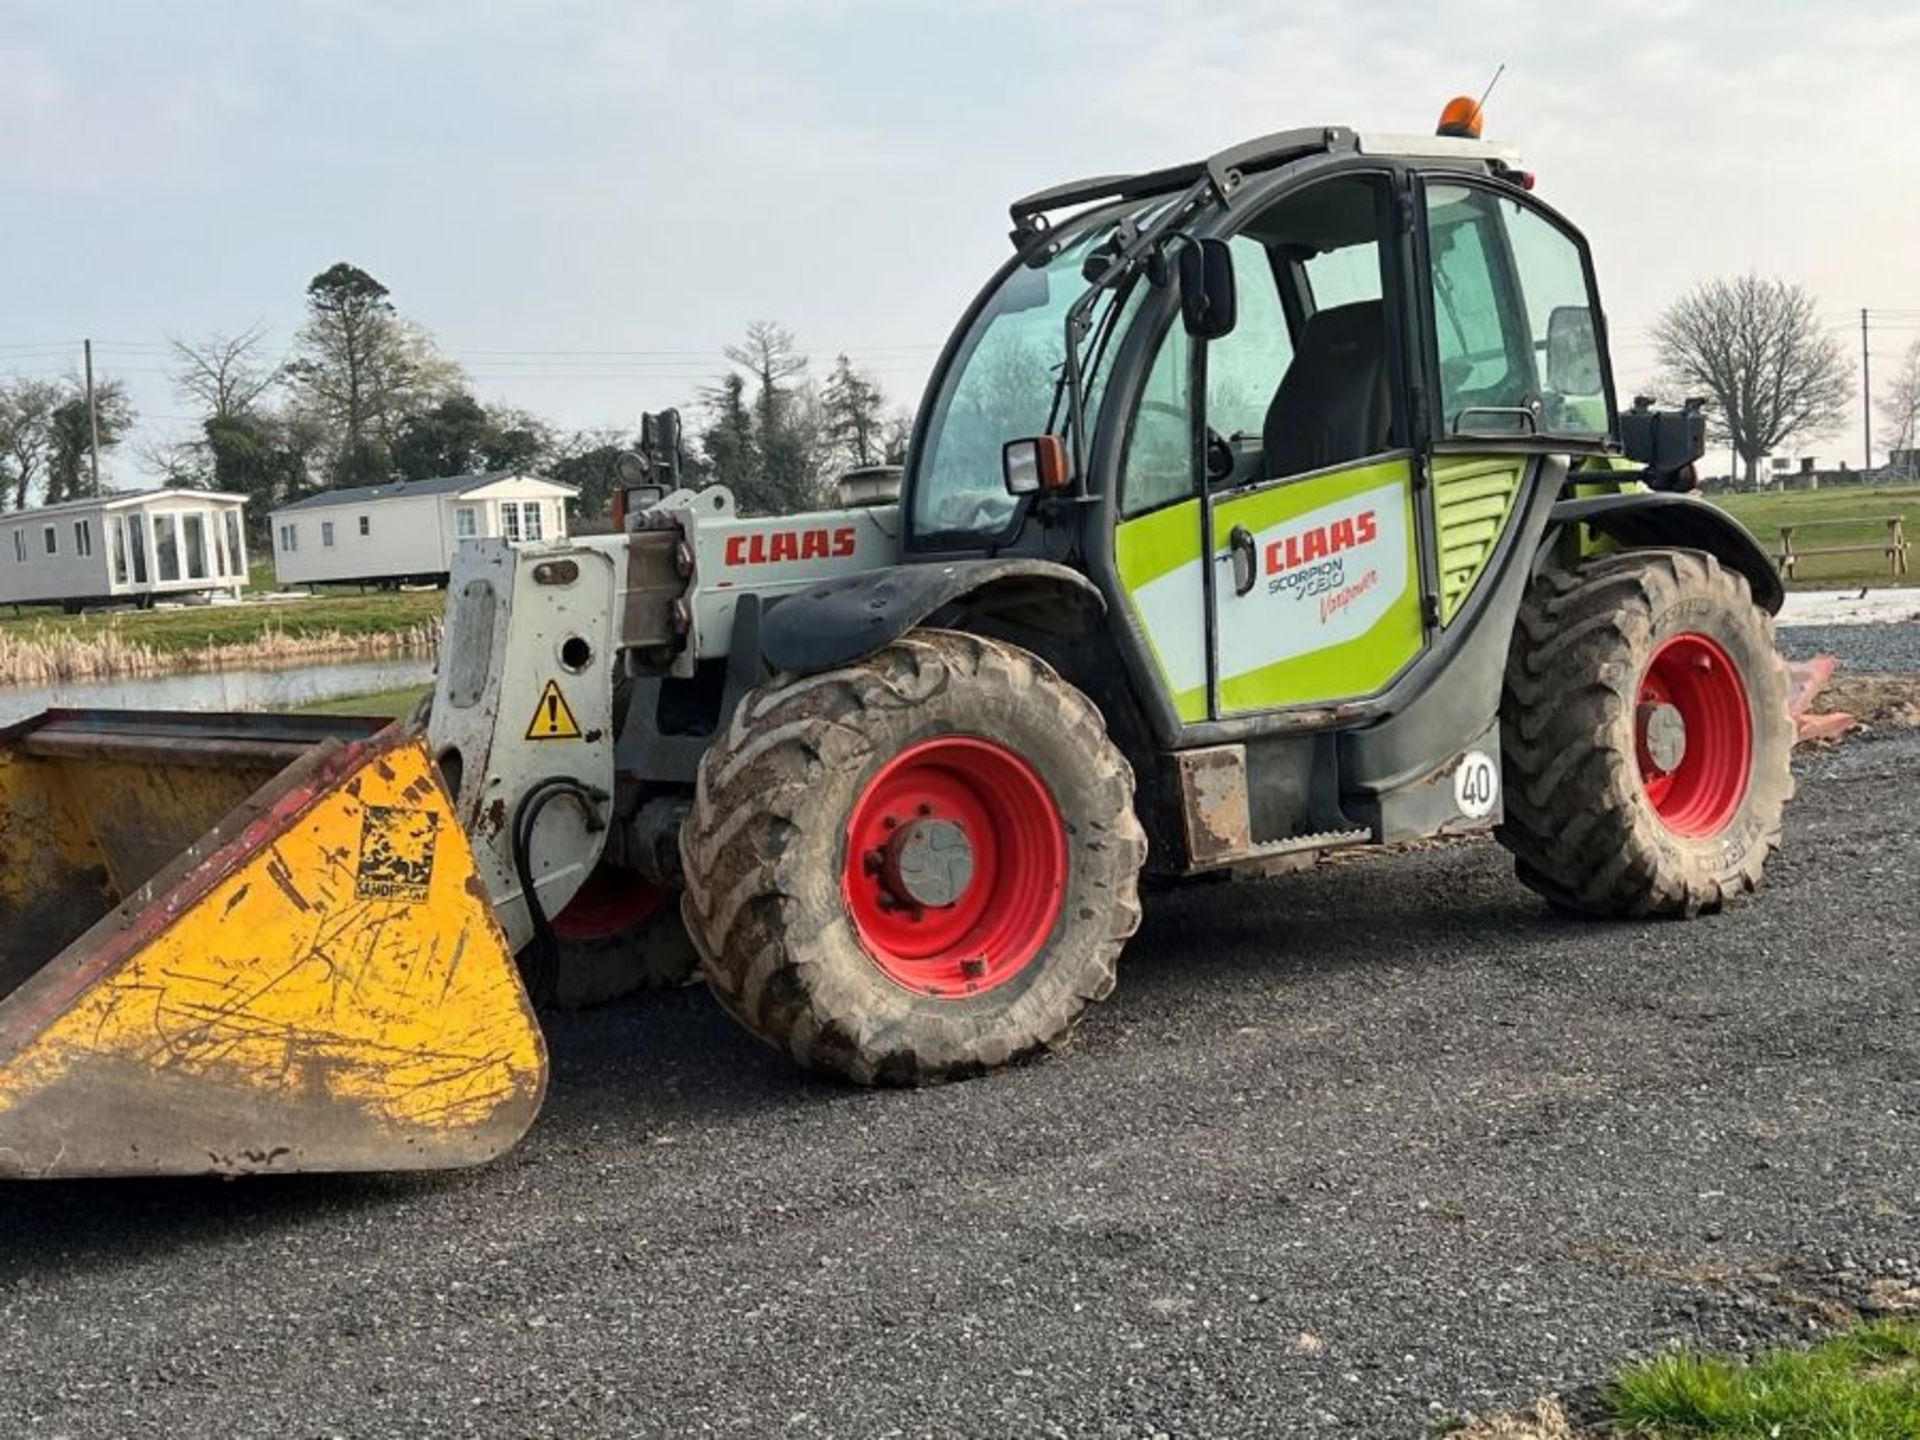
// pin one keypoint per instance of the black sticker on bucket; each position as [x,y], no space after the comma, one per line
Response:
[396,853]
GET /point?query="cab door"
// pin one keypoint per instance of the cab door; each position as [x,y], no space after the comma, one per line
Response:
[1313,536]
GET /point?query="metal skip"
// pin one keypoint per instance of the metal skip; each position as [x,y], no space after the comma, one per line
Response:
[311,978]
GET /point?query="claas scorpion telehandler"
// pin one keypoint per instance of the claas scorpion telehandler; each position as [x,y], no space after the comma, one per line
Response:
[1258,508]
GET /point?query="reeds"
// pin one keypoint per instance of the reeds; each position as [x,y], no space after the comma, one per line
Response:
[54,656]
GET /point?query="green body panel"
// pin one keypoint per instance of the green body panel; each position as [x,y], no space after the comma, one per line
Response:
[1161,549]
[1592,479]
[1337,608]
[1472,502]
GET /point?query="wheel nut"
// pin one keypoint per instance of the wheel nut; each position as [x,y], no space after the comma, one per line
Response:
[974,966]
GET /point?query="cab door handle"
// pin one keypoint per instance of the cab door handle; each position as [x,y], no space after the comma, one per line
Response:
[1241,551]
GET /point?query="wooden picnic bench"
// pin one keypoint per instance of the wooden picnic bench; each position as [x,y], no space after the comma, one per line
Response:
[1893,547]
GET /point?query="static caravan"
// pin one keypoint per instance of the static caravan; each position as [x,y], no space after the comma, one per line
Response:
[406,531]
[126,545]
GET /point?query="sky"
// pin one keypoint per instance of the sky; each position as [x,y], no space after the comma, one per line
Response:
[583,200]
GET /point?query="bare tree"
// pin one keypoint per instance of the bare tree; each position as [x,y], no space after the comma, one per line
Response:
[1901,408]
[1756,347]
[26,436]
[225,374]
[177,464]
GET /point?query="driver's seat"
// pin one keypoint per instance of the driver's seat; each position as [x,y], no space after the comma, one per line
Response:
[1332,405]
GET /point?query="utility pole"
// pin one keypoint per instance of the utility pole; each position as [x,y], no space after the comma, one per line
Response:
[93,419]
[1866,390]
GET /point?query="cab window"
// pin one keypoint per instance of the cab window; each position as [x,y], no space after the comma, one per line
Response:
[1325,398]
[1515,342]
[1301,383]
[1244,365]
[1159,467]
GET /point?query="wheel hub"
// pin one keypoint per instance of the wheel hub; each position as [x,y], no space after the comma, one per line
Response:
[956,866]
[1694,735]
[1663,737]
[927,862]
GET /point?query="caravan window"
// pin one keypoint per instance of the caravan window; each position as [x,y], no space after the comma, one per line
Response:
[236,552]
[51,533]
[530,519]
[510,519]
[194,528]
[119,550]
[326,534]
[139,549]
[289,538]
[83,537]
[166,548]
[20,546]
[464,526]
[366,526]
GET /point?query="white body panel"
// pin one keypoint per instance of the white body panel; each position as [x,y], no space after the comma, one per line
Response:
[769,556]
[506,643]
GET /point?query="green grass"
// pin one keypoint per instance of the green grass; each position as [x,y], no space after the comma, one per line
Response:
[1865,508]
[1864,1385]
[194,626]
[394,704]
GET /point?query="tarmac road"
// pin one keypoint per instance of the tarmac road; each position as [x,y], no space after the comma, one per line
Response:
[1346,1152]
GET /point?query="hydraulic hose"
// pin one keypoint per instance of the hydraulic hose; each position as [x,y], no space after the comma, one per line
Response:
[540,965]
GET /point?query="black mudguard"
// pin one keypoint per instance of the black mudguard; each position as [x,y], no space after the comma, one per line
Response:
[841,621]
[1646,521]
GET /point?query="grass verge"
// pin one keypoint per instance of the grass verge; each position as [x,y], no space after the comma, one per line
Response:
[394,704]
[1863,1385]
[194,627]
[1862,508]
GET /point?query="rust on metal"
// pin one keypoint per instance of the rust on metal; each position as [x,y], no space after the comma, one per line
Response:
[1213,803]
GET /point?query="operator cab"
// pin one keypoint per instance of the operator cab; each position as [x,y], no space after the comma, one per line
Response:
[1282,403]
[1314,366]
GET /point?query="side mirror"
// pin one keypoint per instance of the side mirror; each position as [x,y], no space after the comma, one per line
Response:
[1573,353]
[1209,306]
[1034,464]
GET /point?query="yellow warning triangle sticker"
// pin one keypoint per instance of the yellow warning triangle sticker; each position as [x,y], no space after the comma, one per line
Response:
[552,719]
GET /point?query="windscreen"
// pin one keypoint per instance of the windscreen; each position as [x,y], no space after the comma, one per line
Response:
[1007,382]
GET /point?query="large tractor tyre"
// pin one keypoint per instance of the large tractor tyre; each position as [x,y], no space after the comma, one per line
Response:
[1645,736]
[915,868]
[656,954]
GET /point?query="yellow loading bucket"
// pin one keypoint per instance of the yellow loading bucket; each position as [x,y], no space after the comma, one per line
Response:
[247,943]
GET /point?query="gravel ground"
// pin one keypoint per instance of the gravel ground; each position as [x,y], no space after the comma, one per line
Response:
[1346,1152]
[1877,649]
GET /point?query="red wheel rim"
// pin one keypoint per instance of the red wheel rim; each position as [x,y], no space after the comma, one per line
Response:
[970,793]
[1697,791]
[610,903]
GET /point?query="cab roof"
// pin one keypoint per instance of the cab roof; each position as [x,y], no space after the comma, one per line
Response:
[1266,153]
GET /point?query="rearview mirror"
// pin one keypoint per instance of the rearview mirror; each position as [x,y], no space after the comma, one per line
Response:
[1209,306]
[1038,462]
[1573,353]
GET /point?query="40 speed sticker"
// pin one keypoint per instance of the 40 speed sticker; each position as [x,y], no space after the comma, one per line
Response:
[1476,784]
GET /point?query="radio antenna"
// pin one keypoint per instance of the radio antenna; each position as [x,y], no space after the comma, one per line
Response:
[1479,104]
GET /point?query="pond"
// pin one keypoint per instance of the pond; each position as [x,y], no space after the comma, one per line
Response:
[260,688]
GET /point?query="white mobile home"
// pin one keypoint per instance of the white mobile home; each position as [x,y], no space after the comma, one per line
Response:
[407,530]
[131,545]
